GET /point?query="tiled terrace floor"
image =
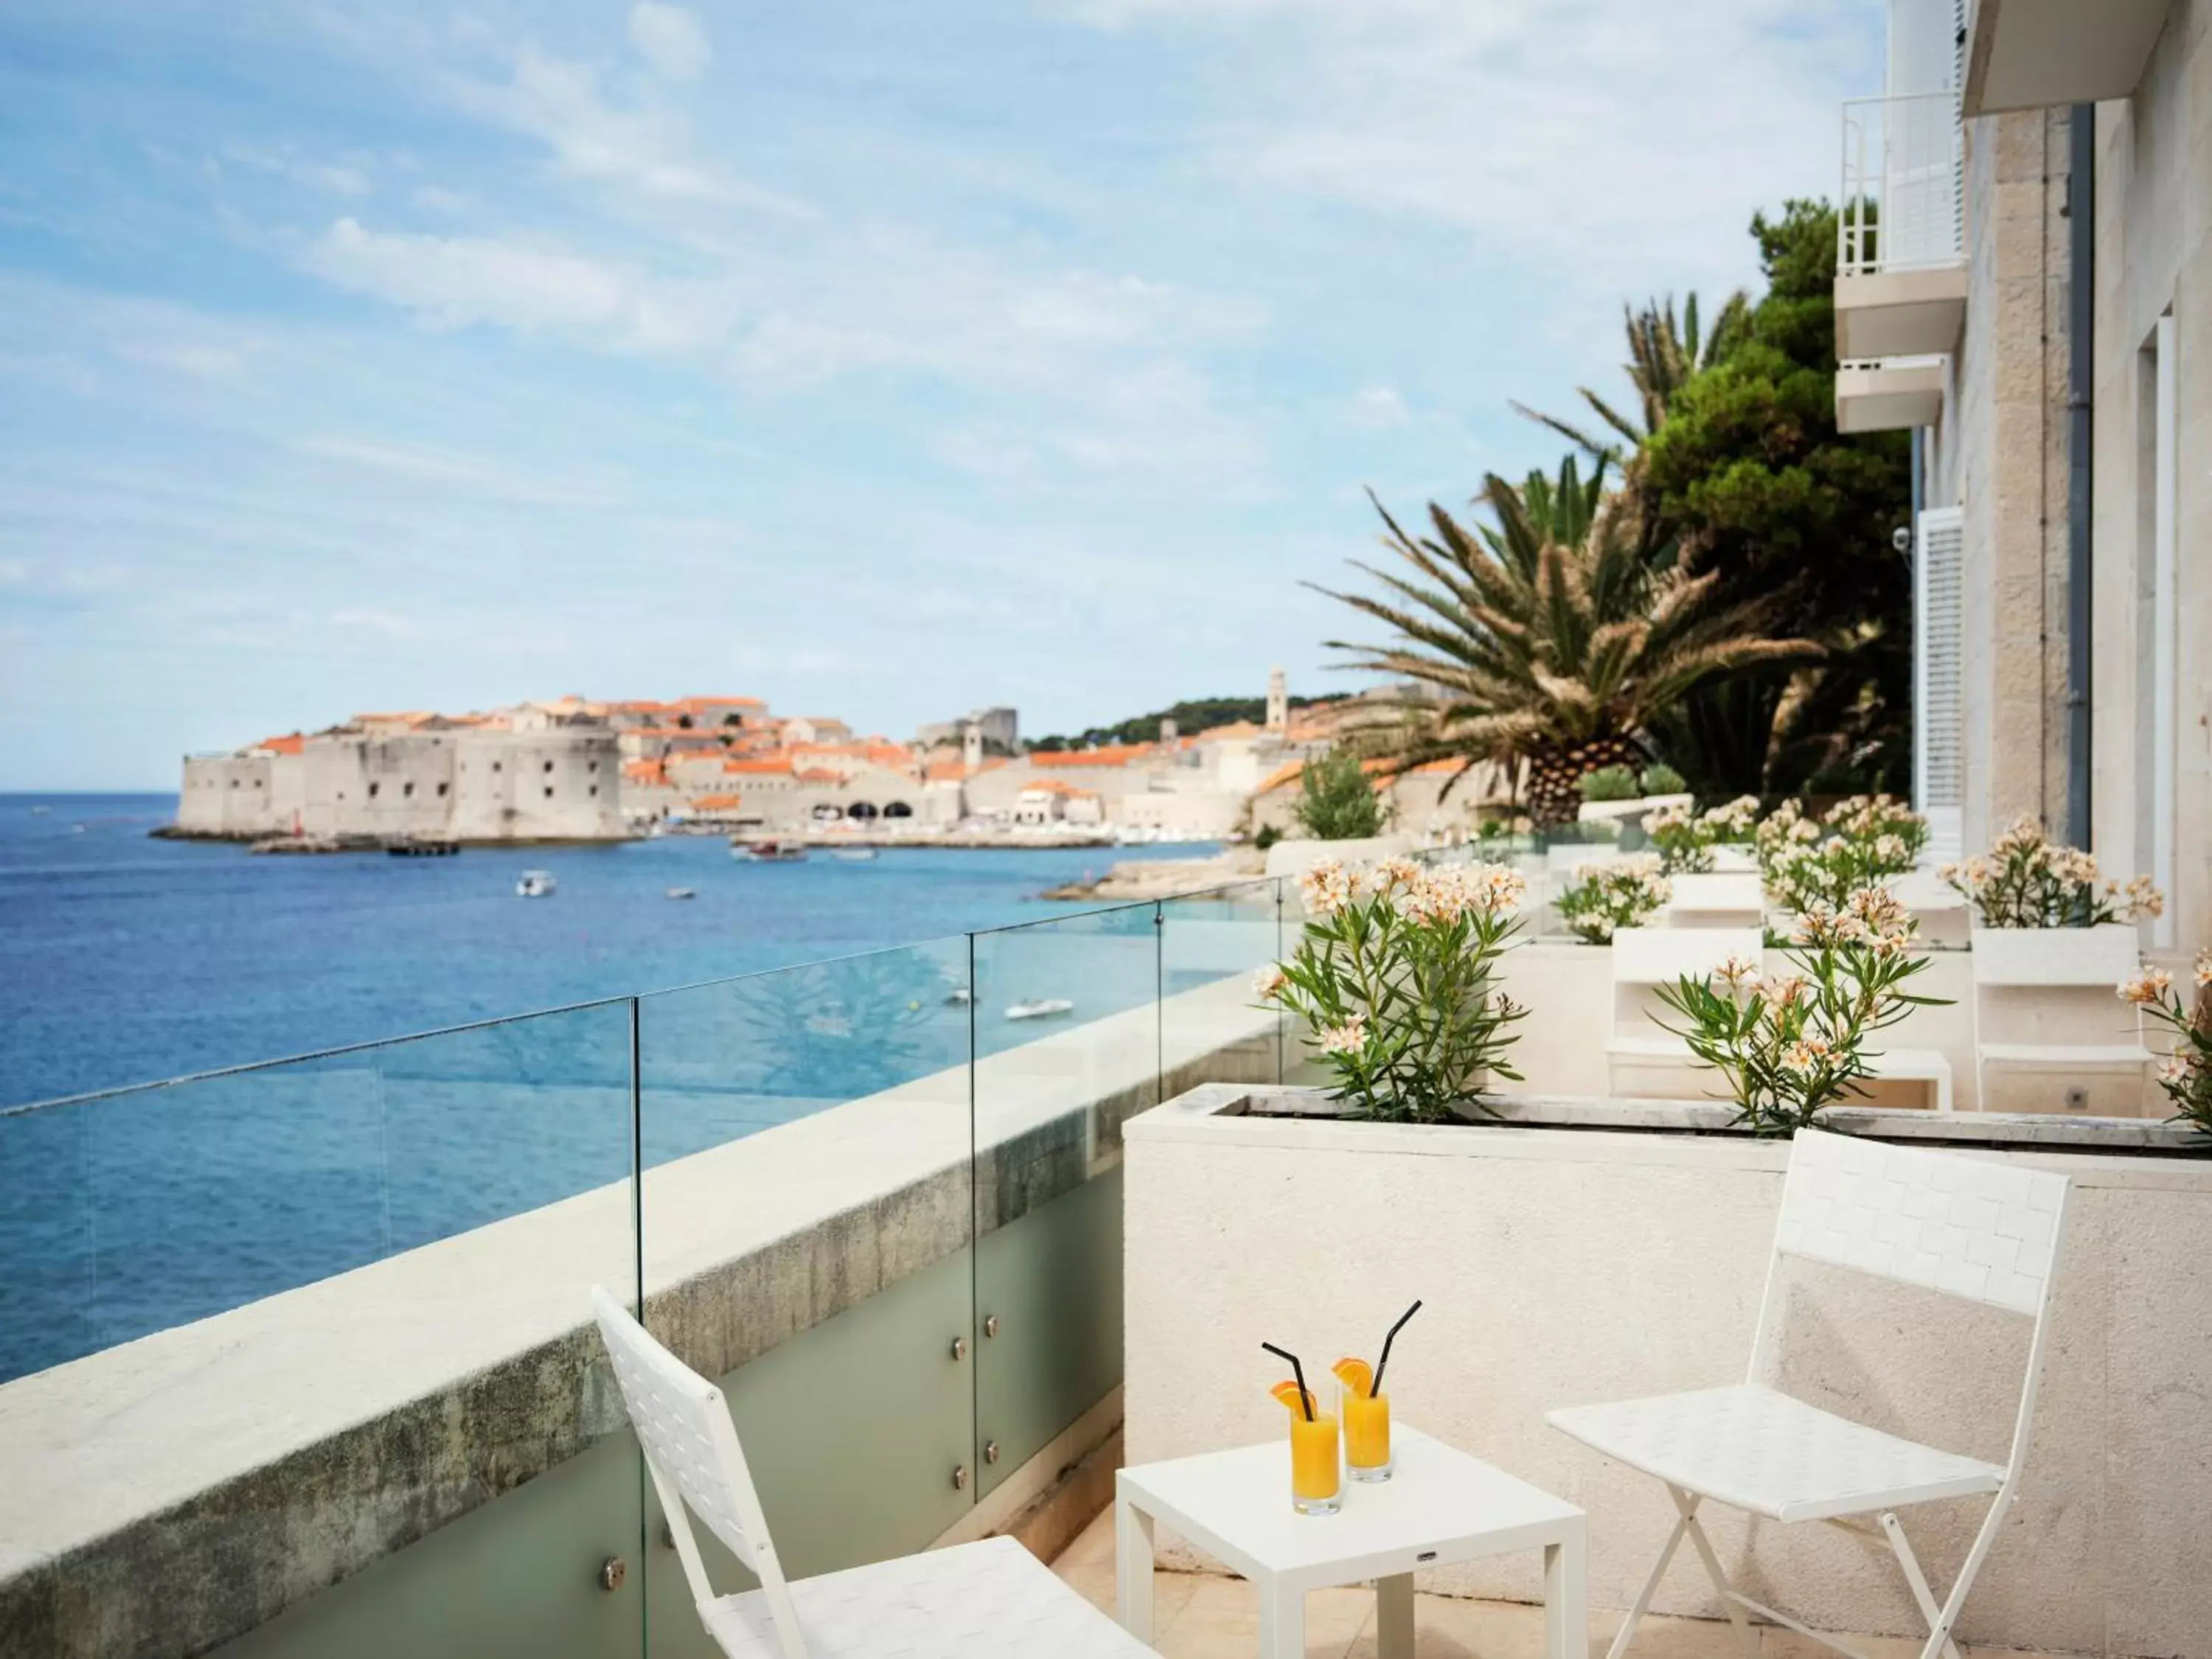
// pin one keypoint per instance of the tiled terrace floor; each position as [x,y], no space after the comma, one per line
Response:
[1200,1616]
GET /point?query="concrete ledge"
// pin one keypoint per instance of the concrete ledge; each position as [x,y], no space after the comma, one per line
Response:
[1886,398]
[1900,313]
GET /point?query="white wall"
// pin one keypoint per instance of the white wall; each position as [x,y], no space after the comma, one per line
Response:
[2154,255]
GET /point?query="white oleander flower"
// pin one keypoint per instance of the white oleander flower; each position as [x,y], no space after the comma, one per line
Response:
[2150,985]
[2204,969]
[1268,985]
[1326,887]
[1348,1038]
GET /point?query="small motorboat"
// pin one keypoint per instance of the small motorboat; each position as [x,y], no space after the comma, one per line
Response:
[535,884]
[1041,1008]
[767,852]
[959,997]
[683,892]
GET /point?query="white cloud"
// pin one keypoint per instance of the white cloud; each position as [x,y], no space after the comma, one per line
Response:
[673,40]
[345,178]
[432,465]
[452,281]
[642,147]
[1379,408]
[1620,144]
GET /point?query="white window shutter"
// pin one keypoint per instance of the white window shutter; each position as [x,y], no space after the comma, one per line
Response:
[1939,669]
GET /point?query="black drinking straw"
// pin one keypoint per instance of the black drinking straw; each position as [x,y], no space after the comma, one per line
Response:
[1375,1387]
[1305,1397]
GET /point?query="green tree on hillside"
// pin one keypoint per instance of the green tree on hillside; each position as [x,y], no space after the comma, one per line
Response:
[1750,478]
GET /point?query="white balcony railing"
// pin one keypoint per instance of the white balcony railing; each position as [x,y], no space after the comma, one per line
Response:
[1901,204]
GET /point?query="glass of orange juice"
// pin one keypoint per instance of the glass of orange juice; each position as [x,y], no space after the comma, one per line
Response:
[1316,1488]
[1366,1422]
[1366,1434]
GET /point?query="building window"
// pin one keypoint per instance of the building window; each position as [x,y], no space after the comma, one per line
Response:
[593,791]
[407,790]
[495,766]
[442,790]
[372,788]
[593,767]
[549,792]
[548,766]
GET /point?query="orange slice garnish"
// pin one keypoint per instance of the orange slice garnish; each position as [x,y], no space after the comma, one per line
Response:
[1356,1375]
[1286,1395]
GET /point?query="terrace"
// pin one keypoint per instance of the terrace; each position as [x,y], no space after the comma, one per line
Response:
[301,1357]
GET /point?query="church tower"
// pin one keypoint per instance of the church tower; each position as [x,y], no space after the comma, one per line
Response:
[1279,703]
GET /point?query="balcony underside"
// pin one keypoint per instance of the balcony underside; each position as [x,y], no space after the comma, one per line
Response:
[2030,54]
[1883,398]
[1901,313]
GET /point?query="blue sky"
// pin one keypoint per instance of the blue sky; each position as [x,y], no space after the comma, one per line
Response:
[877,359]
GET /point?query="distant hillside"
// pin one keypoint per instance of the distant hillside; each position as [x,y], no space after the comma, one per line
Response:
[1192,715]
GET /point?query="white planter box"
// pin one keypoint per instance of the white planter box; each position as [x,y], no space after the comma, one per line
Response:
[2055,955]
[1591,810]
[1294,858]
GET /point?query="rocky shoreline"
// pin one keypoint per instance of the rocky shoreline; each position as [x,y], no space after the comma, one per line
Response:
[1134,880]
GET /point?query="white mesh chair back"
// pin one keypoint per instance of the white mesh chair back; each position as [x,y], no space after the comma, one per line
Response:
[692,1452]
[1967,1227]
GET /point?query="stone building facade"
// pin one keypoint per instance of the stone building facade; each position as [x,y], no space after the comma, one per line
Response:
[444,781]
[2056,365]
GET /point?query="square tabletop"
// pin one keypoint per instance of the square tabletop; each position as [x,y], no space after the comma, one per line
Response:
[1439,1505]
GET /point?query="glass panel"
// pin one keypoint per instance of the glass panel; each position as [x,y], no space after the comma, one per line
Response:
[1068,1037]
[356,1292]
[807,1222]
[1214,1026]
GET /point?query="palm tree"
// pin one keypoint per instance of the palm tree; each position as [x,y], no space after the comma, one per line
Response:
[1663,352]
[1547,638]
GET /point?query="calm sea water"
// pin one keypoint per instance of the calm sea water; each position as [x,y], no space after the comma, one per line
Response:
[124,959]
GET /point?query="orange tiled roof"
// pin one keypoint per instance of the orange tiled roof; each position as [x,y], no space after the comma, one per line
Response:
[697,703]
[645,771]
[1054,786]
[818,774]
[1119,754]
[290,744]
[1234,729]
[716,803]
[759,763]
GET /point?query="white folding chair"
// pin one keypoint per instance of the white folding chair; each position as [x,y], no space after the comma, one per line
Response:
[1968,1227]
[992,1598]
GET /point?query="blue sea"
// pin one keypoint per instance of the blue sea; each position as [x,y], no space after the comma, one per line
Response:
[125,959]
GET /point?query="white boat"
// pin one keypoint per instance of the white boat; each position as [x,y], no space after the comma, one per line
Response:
[535,884]
[852,854]
[683,892]
[779,851]
[958,997]
[1041,1008]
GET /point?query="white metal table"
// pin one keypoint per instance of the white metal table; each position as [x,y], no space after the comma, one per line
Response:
[1439,1507]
